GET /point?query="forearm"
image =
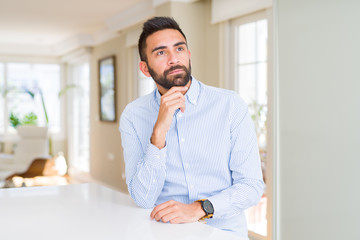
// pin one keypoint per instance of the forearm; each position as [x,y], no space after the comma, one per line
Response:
[146,186]
[237,198]
[145,183]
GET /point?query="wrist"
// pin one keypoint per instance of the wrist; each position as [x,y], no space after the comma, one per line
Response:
[158,139]
[199,212]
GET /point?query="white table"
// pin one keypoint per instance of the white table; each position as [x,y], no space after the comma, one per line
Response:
[87,212]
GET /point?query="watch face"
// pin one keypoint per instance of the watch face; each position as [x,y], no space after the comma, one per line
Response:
[208,207]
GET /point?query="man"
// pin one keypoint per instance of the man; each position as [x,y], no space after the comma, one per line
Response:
[190,150]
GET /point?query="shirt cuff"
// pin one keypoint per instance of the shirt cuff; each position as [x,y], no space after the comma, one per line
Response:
[155,157]
[220,204]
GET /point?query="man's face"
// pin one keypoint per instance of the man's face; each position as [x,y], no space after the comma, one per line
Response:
[168,59]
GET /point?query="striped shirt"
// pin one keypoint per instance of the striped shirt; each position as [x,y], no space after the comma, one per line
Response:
[211,152]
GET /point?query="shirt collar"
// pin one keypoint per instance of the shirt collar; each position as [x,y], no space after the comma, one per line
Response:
[192,94]
[157,96]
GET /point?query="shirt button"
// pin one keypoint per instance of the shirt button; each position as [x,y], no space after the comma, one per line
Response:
[191,186]
[187,165]
[183,139]
[157,156]
[180,115]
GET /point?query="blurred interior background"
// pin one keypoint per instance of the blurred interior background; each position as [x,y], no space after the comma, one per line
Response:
[68,69]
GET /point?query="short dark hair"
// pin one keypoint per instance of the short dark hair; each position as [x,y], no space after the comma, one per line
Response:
[153,25]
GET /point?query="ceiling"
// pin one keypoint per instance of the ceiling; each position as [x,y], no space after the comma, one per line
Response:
[45,26]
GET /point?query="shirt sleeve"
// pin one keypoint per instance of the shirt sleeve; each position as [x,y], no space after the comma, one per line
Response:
[245,166]
[145,170]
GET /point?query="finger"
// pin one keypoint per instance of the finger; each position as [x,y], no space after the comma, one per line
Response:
[176,89]
[175,104]
[182,108]
[159,208]
[165,214]
[176,95]
[176,220]
[170,217]
[154,212]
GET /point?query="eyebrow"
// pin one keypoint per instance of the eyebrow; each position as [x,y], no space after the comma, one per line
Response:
[163,47]
[180,43]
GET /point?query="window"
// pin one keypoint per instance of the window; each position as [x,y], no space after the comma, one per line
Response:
[79,117]
[251,80]
[143,84]
[146,84]
[250,71]
[2,103]
[23,86]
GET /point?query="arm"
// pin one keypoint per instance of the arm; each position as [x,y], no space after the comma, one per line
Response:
[244,164]
[146,171]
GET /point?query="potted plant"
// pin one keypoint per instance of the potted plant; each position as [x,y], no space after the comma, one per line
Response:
[30,119]
[27,126]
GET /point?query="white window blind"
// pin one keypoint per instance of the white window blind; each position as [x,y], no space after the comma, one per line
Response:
[79,118]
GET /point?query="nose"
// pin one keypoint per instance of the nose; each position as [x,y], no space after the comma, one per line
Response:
[173,58]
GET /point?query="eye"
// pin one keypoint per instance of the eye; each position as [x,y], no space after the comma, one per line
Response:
[179,49]
[160,53]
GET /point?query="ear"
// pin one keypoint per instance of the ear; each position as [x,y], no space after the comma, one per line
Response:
[144,68]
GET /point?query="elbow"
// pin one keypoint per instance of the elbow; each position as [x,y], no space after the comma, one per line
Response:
[255,192]
[141,201]
[145,205]
[259,188]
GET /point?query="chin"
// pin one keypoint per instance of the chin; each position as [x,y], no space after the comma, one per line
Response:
[180,81]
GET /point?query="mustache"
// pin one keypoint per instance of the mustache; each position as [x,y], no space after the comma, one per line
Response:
[174,68]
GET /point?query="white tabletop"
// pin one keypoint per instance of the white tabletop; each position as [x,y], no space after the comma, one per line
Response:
[87,212]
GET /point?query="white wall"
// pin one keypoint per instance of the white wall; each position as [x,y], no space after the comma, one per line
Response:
[319,113]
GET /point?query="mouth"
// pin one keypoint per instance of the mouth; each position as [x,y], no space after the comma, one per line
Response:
[176,71]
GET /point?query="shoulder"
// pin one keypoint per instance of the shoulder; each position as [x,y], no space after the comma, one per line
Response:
[226,101]
[221,94]
[139,105]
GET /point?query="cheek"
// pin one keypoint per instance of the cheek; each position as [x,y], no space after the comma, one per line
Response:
[157,67]
[160,65]
[185,59]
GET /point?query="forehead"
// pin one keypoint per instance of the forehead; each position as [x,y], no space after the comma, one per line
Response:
[166,38]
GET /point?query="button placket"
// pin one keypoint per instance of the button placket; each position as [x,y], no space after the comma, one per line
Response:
[181,120]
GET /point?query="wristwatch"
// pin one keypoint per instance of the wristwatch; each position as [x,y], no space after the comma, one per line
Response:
[208,208]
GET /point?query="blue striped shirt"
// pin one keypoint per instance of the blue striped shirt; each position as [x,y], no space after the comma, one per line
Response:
[211,152]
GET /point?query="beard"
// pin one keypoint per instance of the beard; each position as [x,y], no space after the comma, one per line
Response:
[168,82]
